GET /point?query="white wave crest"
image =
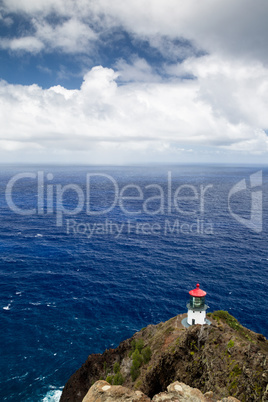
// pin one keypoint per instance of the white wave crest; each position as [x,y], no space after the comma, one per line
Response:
[52,396]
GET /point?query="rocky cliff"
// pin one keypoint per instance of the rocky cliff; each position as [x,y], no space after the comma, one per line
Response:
[224,358]
[102,391]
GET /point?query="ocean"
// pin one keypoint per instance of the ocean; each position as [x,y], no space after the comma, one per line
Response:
[90,255]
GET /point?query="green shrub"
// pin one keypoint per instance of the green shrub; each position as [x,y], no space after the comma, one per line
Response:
[133,345]
[139,355]
[230,344]
[228,318]
[136,359]
[109,379]
[237,370]
[136,363]
[146,354]
[138,384]
[139,345]
[118,379]
[116,367]
[135,372]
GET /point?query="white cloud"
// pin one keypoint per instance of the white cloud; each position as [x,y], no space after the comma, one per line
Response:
[6,20]
[158,118]
[235,90]
[139,70]
[133,109]
[172,50]
[37,6]
[235,28]
[71,36]
[27,43]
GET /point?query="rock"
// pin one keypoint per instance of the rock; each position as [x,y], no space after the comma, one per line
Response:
[261,338]
[180,392]
[209,395]
[126,366]
[102,391]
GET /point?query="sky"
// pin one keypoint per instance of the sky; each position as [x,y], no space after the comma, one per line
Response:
[133,81]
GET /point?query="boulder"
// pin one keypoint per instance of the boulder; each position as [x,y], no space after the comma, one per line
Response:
[102,391]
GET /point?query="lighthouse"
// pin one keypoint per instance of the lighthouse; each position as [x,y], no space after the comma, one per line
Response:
[196,308]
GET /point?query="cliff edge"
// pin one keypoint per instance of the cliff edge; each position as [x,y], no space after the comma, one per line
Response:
[224,358]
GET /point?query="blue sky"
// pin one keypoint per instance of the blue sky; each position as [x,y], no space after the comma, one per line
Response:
[133,82]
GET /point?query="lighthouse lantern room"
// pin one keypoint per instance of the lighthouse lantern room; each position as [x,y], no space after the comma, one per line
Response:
[197,307]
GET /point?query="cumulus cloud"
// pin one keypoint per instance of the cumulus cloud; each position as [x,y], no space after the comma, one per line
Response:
[235,28]
[71,36]
[158,116]
[235,90]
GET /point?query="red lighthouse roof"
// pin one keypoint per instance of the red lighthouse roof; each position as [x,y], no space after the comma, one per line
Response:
[197,292]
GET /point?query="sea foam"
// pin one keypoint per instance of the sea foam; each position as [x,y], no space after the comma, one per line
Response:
[52,396]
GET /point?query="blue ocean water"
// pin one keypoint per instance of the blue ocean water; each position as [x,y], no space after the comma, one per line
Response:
[73,284]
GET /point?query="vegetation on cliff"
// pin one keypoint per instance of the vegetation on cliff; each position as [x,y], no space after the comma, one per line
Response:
[225,358]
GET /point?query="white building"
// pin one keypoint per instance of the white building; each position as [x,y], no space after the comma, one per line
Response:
[197,307]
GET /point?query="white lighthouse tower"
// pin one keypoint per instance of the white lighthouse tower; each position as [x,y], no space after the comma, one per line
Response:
[196,308]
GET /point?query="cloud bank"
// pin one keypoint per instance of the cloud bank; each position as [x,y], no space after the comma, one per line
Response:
[206,101]
[219,109]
